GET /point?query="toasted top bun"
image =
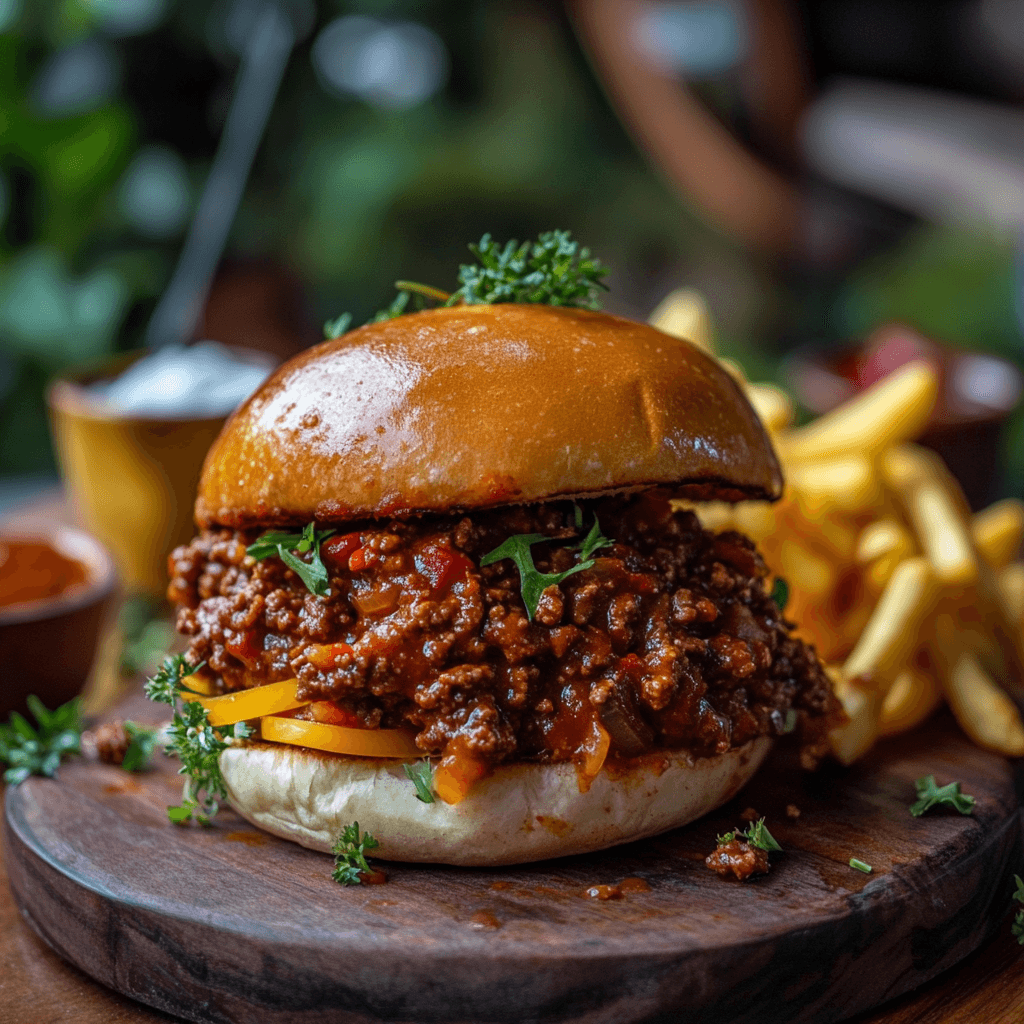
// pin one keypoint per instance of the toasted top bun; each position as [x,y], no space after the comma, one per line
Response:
[523,812]
[480,406]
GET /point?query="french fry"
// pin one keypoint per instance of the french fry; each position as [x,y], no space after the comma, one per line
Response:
[849,484]
[1010,582]
[893,630]
[935,508]
[883,537]
[772,405]
[913,697]
[983,710]
[757,519]
[857,736]
[997,532]
[684,314]
[894,410]
[817,575]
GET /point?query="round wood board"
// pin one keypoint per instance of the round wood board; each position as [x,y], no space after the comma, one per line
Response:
[229,924]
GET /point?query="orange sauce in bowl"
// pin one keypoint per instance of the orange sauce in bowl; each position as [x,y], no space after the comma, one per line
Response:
[33,570]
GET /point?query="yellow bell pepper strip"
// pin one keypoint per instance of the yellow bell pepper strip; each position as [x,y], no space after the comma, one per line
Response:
[255,703]
[340,739]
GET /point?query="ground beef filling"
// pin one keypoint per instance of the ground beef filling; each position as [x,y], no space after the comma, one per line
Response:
[670,640]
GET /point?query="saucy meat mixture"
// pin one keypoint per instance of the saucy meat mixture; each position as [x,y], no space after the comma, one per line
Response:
[669,640]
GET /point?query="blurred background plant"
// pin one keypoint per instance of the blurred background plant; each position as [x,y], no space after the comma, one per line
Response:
[405,129]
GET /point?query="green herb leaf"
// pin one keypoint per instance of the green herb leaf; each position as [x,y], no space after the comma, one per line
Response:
[142,743]
[780,593]
[196,743]
[554,271]
[38,751]
[790,723]
[859,865]
[759,836]
[594,541]
[1017,928]
[397,308]
[337,327]
[312,573]
[350,855]
[531,582]
[756,835]
[930,795]
[422,777]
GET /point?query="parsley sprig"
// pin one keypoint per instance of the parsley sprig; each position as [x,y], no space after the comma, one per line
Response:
[197,744]
[1017,928]
[532,582]
[313,573]
[349,851]
[38,751]
[930,795]
[421,775]
[554,271]
[757,835]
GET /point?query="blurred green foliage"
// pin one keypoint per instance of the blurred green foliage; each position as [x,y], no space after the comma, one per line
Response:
[346,195]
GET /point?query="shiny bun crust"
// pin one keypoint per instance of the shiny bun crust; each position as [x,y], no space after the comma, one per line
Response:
[521,813]
[479,406]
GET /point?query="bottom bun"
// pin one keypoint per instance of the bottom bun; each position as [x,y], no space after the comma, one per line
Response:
[522,812]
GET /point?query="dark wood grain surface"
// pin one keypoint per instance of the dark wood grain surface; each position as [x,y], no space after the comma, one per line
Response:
[229,924]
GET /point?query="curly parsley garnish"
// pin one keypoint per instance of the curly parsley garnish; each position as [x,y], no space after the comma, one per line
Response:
[421,775]
[553,271]
[349,851]
[757,835]
[930,795]
[532,582]
[1017,928]
[38,751]
[197,744]
[313,573]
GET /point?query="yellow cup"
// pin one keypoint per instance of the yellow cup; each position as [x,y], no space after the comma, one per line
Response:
[133,479]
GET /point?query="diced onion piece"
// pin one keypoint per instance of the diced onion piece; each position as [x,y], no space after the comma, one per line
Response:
[595,751]
[339,739]
[255,703]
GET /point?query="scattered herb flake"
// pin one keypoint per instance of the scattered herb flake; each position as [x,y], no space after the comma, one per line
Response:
[38,751]
[197,744]
[930,795]
[757,835]
[349,851]
[790,723]
[780,593]
[859,865]
[422,777]
[1017,928]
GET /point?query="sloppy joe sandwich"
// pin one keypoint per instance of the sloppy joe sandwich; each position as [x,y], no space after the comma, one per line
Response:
[441,570]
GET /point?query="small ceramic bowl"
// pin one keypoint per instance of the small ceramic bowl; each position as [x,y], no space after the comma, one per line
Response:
[47,646]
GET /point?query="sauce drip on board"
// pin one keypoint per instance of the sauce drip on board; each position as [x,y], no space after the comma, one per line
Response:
[33,571]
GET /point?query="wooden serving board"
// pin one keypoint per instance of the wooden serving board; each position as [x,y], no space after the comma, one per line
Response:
[229,924]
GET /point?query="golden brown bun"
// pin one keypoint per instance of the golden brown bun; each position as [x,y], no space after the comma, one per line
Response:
[523,812]
[478,406]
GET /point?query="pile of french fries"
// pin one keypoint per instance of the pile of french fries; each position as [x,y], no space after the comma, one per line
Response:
[907,597]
